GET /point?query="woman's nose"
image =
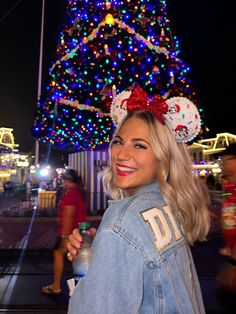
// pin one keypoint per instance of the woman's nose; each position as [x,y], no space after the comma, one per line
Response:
[123,154]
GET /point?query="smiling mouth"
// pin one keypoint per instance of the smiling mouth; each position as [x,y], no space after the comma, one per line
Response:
[124,171]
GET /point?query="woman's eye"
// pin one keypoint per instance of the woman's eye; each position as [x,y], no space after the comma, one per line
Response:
[116,142]
[140,146]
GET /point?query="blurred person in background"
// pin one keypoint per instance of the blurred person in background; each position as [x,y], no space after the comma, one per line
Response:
[227,276]
[72,211]
[56,181]
[57,185]
[229,205]
[229,163]
[211,182]
[28,182]
[228,216]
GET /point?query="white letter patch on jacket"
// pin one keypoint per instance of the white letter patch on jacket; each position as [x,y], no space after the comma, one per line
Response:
[160,227]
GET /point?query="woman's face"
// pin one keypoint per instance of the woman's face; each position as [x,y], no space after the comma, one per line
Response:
[133,161]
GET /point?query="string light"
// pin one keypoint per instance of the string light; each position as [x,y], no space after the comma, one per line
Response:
[109,19]
[104,48]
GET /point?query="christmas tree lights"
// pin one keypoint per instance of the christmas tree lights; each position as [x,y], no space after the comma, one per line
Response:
[107,47]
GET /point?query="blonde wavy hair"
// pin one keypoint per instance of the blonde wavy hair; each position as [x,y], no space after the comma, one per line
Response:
[179,187]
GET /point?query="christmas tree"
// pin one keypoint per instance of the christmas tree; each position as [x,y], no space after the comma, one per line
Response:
[107,47]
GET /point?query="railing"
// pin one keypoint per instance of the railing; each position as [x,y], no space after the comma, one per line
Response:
[19,203]
[15,202]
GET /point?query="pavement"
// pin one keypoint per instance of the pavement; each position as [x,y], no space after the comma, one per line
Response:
[26,264]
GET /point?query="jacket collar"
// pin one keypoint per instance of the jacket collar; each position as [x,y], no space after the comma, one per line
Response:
[152,188]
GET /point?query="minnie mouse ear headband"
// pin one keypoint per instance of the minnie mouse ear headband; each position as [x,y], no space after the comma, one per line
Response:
[179,113]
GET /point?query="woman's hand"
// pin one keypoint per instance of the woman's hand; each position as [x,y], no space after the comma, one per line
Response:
[75,241]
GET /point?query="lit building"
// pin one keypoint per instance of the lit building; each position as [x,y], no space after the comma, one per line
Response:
[12,163]
[204,153]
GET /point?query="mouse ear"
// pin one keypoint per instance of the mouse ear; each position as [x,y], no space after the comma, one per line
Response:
[183,118]
[119,106]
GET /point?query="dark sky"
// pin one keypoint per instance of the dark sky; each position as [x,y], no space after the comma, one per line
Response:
[206,30]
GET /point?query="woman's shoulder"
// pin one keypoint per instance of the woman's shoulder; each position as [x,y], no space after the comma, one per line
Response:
[123,211]
[130,209]
[146,200]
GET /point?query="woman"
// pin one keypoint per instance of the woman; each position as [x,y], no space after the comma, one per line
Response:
[72,210]
[142,261]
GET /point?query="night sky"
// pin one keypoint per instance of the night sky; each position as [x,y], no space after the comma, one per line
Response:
[206,30]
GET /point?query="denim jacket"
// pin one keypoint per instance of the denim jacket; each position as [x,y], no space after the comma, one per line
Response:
[142,262]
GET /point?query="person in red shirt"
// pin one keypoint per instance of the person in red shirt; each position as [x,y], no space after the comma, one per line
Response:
[227,276]
[72,211]
[229,217]
[229,206]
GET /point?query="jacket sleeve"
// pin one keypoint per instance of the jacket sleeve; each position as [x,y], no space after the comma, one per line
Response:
[114,281]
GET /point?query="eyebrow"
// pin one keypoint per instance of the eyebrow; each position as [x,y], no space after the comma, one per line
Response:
[134,139]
